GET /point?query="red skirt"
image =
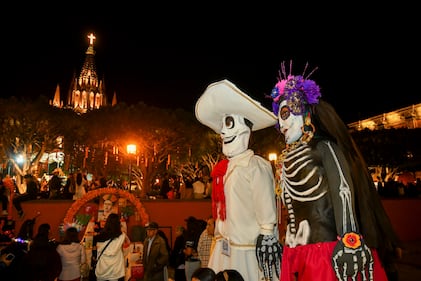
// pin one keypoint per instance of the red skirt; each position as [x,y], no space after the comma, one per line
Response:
[314,262]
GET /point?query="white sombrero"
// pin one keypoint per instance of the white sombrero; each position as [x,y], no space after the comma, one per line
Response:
[222,98]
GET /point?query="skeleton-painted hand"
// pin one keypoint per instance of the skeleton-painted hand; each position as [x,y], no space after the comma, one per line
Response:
[352,258]
[269,255]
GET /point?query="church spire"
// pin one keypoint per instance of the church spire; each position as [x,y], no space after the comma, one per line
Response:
[86,91]
[114,102]
[56,100]
[89,91]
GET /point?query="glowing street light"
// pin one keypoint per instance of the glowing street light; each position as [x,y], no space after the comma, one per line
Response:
[131,150]
[272,157]
[20,159]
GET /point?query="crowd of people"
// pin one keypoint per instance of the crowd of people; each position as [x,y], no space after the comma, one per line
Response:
[181,187]
[37,255]
[188,259]
[75,185]
[334,208]
[41,257]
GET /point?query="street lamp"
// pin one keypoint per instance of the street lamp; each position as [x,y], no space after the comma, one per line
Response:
[131,150]
[272,159]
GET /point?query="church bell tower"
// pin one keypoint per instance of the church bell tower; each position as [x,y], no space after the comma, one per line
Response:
[86,91]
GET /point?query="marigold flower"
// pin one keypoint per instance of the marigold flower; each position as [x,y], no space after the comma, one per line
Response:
[352,240]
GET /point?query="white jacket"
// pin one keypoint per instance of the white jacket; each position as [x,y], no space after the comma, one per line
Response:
[111,265]
[72,256]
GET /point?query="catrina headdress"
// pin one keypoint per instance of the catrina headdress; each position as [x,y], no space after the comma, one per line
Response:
[298,91]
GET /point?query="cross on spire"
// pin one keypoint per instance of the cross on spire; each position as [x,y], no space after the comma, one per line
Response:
[91,38]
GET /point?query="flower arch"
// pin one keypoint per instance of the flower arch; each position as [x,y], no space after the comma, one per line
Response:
[78,204]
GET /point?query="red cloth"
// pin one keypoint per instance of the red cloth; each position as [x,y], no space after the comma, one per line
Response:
[170,194]
[314,262]
[218,195]
[137,271]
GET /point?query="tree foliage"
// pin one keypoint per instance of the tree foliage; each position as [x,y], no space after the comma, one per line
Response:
[166,140]
[28,130]
[389,152]
[389,147]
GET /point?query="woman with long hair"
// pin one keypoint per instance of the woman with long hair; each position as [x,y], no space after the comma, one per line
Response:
[72,255]
[334,210]
[42,261]
[109,243]
[80,186]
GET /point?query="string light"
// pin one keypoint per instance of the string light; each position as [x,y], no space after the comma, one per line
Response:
[20,240]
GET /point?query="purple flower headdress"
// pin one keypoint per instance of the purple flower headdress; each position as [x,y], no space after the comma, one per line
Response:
[298,91]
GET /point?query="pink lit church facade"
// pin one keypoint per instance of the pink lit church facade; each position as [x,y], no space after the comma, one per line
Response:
[86,91]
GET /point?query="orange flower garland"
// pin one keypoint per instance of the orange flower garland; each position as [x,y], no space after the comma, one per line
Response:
[78,204]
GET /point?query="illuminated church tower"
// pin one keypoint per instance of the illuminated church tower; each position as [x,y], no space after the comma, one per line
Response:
[86,92]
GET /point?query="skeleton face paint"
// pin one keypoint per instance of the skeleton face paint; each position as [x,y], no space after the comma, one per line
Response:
[235,135]
[290,124]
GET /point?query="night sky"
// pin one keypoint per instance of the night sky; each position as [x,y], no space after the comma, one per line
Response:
[368,61]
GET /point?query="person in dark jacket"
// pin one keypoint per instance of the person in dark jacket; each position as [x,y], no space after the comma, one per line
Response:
[192,261]
[42,263]
[54,184]
[165,187]
[177,257]
[155,254]
[19,248]
[30,194]
[4,196]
